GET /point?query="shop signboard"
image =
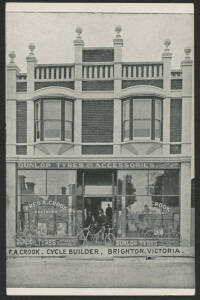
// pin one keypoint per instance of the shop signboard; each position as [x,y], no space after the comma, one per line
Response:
[100,164]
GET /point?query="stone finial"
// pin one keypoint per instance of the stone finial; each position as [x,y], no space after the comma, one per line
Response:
[79,31]
[12,56]
[31,48]
[167,53]
[167,43]
[118,29]
[187,51]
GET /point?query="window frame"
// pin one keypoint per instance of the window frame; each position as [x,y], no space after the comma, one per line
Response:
[139,138]
[153,119]
[40,120]
[127,101]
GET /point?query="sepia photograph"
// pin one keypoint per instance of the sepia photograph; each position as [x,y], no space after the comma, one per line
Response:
[100,149]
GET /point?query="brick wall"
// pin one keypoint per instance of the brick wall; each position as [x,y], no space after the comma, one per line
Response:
[97,121]
[21,122]
[98,55]
[175,120]
[176,84]
[43,84]
[98,85]
[155,82]
[97,149]
[21,86]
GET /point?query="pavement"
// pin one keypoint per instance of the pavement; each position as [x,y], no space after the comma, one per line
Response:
[132,272]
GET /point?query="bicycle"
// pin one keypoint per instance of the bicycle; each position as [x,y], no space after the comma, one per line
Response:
[109,237]
[85,234]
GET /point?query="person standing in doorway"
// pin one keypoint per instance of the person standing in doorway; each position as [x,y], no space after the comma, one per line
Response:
[109,214]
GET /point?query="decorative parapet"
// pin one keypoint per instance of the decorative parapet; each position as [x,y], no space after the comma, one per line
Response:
[54,72]
[95,71]
[144,70]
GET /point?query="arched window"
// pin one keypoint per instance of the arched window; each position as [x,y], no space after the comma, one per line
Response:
[53,120]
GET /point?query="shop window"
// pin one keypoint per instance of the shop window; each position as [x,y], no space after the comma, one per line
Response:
[142,119]
[46,204]
[53,120]
[151,204]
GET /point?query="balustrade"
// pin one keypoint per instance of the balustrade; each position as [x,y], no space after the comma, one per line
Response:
[97,71]
[54,72]
[142,70]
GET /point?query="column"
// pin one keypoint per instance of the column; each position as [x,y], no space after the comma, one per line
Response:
[166,57]
[31,61]
[78,48]
[12,71]
[70,192]
[78,126]
[10,204]
[185,204]
[118,44]
[123,217]
[187,104]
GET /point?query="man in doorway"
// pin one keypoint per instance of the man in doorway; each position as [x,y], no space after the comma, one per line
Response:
[109,214]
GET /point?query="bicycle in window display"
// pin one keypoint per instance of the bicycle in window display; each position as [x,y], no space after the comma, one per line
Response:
[161,233]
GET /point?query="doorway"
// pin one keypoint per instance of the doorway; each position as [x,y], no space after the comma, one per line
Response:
[98,189]
[92,205]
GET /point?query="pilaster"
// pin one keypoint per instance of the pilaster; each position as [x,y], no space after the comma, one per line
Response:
[78,49]
[118,44]
[78,126]
[10,204]
[187,103]
[12,71]
[185,204]
[31,61]
[166,57]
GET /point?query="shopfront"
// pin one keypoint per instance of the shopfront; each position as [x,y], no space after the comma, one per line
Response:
[54,198]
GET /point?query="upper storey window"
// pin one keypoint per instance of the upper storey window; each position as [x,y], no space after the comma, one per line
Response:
[142,119]
[53,120]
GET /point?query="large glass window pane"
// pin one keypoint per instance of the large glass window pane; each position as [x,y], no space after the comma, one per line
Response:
[136,182]
[164,182]
[158,109]
[142,217]
[157,129]
[68,110]
[37,128]
[37,111]
[142,109]
[52,129]
[126,110]
[31,182]
[52,109]
[68,130]
[58,181]
[142,128]
[126,130]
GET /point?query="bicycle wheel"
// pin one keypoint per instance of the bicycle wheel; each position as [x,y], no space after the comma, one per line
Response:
[110,239]
[175,235]
[80,237]
[89,236]
[149,234]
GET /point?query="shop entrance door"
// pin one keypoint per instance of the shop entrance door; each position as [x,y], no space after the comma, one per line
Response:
[92,206]
[98,191]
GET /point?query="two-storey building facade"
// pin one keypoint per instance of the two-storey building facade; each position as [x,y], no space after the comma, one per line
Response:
[99,133]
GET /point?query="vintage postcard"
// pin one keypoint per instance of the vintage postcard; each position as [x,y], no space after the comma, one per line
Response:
[100,149]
